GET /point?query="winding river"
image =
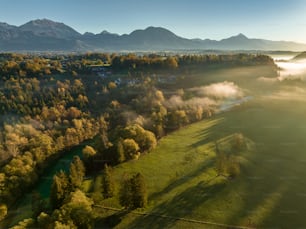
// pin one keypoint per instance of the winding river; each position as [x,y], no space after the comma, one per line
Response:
[22,209]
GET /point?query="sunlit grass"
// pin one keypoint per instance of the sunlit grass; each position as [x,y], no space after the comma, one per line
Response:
[270,191]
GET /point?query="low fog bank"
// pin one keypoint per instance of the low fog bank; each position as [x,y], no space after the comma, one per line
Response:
[211,96]
[223,90]
[296,69]
[289,69]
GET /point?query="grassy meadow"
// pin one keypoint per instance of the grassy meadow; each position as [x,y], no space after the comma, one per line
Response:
[181,175]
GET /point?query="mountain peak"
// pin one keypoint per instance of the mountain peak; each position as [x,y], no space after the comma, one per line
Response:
[238,39]
[152,31]
[240,36]
[42,22]
[155,28]
[49,28]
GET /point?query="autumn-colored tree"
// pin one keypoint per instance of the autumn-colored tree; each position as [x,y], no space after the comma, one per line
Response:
[3,211]
[131,148]
[76,212]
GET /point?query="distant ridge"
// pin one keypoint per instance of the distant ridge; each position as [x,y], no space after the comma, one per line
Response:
[47,35]
[301,56]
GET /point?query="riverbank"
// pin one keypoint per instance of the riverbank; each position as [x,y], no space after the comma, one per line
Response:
[23,207]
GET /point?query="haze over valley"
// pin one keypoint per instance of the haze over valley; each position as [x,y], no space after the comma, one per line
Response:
[179,114]
[47,35]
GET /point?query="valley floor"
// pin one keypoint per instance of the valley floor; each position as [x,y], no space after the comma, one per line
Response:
[182,181]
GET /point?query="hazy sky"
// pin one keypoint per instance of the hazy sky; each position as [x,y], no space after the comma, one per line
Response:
[214,19]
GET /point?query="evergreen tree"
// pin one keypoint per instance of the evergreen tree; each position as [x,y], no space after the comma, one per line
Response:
[120,153]
[59,189]
[107,183]
[125,193]
[77,172]
[133,192]
[139,191]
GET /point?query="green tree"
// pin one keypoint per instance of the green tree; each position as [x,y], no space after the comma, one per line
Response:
[77,172]
[103,137]
[107,183]
[59,189]
[125,192]
[133,192]
[139,190]
[119,153]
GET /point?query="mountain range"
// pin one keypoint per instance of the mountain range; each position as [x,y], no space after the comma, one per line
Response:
[47,35]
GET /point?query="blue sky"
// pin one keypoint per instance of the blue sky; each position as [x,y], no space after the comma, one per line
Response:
[214,19]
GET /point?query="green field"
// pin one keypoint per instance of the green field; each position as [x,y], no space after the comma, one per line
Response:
[270,191]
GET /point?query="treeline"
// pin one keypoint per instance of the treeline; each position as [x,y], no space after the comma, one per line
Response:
[151,62]
[28,66]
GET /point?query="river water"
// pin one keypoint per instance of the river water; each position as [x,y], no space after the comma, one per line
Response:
[44,184]
[22,209]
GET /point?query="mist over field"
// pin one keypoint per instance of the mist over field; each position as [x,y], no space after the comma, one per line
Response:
[289,68]
[220,90]
[293,69]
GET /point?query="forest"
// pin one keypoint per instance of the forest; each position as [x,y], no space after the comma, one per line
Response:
[120,105]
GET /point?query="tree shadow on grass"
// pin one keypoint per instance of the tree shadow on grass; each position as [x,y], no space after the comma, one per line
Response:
[181,206]
[111,221]
[201,169]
